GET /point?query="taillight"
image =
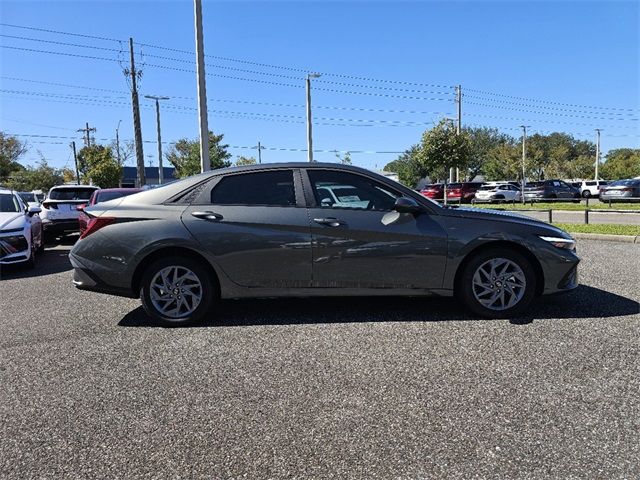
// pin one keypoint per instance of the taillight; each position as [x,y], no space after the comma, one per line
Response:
[96,223]
[50,205]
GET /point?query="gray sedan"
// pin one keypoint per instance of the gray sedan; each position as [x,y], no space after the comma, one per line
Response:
[273,230]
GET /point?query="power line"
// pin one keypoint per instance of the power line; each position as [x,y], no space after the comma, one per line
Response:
[79,45]
[62,84]
[59,53]
[58,32]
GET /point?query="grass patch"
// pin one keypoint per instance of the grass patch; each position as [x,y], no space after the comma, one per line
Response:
[561,206]
[610,229]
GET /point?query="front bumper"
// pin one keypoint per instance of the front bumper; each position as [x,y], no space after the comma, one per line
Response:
[14,248]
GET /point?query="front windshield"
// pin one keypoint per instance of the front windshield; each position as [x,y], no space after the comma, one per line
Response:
[9,203]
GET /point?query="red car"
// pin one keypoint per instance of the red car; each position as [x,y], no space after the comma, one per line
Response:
[102,195]
[434,191]
[462,192]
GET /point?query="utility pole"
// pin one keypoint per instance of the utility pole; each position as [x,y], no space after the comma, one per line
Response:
[598,130]
[160,171]
[524,157]
[205,161]
[136,117]
[309,136]
[459,121]
[75,159]
[85,131]
[260,148]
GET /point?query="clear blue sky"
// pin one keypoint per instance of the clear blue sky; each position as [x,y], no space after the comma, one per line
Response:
[575,65]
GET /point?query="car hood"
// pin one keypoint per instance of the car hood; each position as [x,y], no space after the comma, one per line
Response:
[11,220]
[501,216]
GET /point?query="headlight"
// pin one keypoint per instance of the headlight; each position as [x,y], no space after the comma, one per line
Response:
[560,242]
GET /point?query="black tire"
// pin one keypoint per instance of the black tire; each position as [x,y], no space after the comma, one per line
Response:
[41,247]
[586,194]
[31,263]
[464,287]
[209,291]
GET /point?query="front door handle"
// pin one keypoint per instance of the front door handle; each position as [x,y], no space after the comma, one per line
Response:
[211,216]
[331,222]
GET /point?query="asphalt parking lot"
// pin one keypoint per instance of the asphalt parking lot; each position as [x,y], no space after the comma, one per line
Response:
[327,388]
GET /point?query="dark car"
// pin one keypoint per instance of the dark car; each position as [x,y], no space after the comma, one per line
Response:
[265,231]
[622,191]
[462,192]
[551,189]
[435,191]
[103,195]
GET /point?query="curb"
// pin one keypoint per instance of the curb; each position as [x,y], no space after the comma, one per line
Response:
[608,237]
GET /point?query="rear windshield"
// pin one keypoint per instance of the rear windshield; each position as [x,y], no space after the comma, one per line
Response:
[106,196]
[534,184]
[28,197]
[625,183]
[455,185]
[488,187]
[71,193]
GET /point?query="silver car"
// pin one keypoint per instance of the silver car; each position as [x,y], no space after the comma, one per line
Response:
[312,230]
[622,191]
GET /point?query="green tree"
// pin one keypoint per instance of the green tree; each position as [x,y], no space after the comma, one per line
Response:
[621,163]
[482,141]
[441,148]
[503,162]
[43,177]
[185,155]
[245,161]
[11,149]
[97,164]
[405,165]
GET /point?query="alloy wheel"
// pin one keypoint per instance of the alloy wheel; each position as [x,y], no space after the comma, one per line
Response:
[175,291]
[499,284]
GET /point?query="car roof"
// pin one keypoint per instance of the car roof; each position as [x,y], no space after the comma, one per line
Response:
[128,189]
[74,186]
[6,190]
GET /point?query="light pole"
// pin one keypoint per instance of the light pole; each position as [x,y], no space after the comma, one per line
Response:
[524,157]
[160,171]
[309,137]
[598,130]
[205,162]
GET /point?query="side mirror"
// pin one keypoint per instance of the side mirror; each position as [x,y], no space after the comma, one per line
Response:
[33,210]
[407,205]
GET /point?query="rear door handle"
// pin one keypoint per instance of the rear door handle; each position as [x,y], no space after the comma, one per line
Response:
[211,216]
[331,222]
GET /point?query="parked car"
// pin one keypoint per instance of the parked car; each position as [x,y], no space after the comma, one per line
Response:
[59,209]
[29,198]
[499,193]
[262,230]
[20,230]
[435,191]
[101,195]
[622,191]
[550,189]
[462,191]
[591,188]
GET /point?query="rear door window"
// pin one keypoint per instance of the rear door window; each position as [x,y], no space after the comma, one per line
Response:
[273,188]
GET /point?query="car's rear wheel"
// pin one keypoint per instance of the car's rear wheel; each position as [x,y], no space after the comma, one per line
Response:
[177,291]
[586,194]
[498,283]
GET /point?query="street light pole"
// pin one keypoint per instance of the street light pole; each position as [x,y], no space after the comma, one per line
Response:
[524,158]
[309,136]
[598,130]
[205,162]
[160,171]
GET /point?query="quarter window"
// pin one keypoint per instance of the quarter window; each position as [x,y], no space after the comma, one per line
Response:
[333,189]
[261,188]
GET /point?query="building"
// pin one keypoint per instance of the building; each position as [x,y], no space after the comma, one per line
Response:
[130,175]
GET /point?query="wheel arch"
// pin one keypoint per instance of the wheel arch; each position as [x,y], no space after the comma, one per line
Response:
[502,244]
[171,251]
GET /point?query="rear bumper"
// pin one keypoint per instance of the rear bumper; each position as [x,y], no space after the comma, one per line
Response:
[59,227]
[85,278]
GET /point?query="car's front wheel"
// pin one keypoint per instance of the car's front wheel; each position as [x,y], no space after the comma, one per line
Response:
[498,283]
[177,291]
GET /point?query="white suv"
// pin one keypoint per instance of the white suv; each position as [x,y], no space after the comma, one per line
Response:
[60,209]
[591,188]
